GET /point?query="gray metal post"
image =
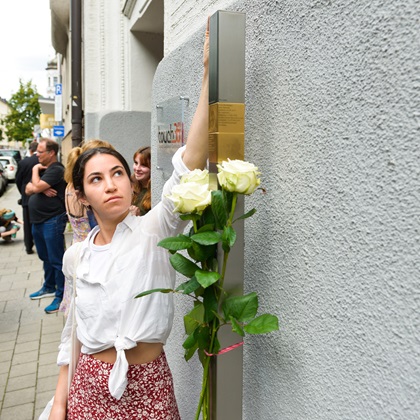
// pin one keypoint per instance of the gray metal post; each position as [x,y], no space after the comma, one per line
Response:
[226,140]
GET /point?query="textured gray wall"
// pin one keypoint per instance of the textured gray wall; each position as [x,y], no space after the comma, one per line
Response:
[333,122]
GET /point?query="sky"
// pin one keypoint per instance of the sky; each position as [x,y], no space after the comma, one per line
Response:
[25,44]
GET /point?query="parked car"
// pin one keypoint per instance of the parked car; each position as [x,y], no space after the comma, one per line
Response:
[10,167]
[3,180]
[15,153]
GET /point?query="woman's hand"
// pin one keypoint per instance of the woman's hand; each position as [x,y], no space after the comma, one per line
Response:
[206,47]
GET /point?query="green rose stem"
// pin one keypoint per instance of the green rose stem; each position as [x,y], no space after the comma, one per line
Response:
[226,254]
[205,388]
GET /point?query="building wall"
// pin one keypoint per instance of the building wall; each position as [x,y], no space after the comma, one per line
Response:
[4,111]
[332,121]
[119,65]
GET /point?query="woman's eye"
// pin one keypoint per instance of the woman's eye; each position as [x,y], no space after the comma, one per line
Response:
[119,173]
[95,179]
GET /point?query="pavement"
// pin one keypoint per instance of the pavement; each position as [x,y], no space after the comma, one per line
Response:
[29,337]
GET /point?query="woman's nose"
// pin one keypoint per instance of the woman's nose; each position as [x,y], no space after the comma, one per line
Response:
[110,186]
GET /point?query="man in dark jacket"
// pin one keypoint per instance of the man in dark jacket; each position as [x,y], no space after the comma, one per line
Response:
[48,216]
[23,176]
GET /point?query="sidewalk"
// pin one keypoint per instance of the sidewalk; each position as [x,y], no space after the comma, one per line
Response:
[29,337]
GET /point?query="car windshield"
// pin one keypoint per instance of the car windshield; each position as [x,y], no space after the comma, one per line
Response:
[13,153]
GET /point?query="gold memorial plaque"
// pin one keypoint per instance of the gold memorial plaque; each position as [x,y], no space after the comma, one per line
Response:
[226,118]
[226,145]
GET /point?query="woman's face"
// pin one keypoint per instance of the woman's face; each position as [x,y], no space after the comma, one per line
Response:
[141,172]
[107,187]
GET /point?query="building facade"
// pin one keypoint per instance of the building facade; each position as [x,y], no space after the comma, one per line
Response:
[4,111]
[332,121]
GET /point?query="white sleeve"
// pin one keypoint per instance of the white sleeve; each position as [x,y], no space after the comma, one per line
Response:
[64,349]
[169,222]
[63,357]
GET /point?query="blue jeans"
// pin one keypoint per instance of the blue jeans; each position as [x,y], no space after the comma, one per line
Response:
[50,245]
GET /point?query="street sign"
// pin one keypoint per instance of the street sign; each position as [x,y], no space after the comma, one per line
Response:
[58,103]
[58,131]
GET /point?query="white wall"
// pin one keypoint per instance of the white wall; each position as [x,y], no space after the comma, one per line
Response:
[332,120]
[105,31]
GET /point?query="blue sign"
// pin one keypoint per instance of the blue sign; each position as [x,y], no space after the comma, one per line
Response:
[58,131]
[58,89]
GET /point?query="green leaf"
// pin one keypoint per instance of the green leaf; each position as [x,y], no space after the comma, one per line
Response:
[201,252]
[204,338]
[207,238]
[149,292]
[190,352]
[207,218]
[210,304]
[206,228]
[218,207]
[183,265]
[176,243]
[194,319]
[191,340]
[188,286]
[263,324]
[236,327]
[207,278]
[189,216]
[242,308]
[228,238]
[246,215]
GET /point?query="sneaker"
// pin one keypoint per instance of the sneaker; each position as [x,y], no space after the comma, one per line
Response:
[42,293]
[54,306]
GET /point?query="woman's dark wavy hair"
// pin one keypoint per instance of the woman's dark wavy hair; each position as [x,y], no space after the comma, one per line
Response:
[80,165]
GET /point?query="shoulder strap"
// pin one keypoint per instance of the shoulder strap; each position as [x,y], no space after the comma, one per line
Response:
[75,343]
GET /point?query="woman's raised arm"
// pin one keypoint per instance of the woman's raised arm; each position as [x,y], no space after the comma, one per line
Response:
[196,152]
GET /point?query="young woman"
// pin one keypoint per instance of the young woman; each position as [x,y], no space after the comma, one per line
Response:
[122,372]
[142,198]
[77,214]
[81,219]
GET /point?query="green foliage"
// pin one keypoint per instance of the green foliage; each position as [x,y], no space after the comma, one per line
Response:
[19,124]
[213,306]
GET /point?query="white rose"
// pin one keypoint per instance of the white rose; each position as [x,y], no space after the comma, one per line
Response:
[197,175]
[238,176]
[190,197]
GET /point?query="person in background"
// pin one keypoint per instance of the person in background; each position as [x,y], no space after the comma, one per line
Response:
[23,176]
[48,216]
[122,372]
[80,217]
[142,197]
[8,226]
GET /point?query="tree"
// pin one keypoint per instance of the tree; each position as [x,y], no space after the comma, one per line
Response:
[19,123]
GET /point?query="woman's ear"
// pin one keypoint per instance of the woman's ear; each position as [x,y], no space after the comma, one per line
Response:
[82,199]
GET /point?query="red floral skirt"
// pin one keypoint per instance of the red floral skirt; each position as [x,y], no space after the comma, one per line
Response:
[149,393]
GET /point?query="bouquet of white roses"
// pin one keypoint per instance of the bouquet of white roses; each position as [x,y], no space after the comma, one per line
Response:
[212,215]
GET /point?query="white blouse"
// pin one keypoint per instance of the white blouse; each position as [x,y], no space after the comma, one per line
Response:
[107,314]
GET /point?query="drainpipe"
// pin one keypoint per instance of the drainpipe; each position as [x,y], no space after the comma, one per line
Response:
[76,72]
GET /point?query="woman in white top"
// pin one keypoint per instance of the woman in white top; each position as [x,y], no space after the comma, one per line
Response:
[122,371]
